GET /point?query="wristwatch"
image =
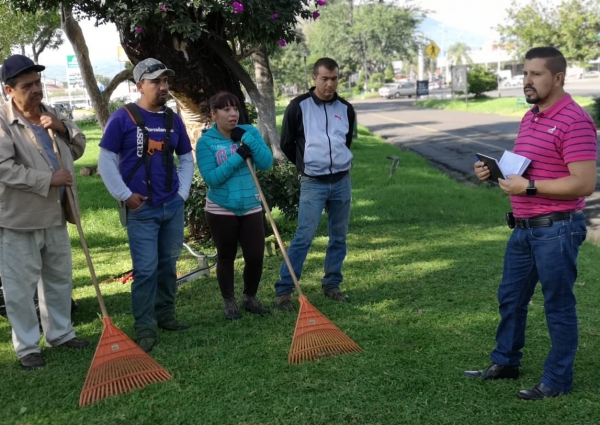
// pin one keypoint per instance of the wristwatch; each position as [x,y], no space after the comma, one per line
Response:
[531,189]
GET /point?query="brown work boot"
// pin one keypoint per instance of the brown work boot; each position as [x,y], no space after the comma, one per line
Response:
[335,295]
[231,309]
[284,303]
[32,361]
[252,305]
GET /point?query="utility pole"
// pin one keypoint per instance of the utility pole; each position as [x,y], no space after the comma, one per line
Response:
[365,63]
[421,61]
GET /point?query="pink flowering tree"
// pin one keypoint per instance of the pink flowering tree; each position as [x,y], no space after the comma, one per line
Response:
[203,41]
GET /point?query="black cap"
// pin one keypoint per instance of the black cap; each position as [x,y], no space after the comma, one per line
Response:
[17,64]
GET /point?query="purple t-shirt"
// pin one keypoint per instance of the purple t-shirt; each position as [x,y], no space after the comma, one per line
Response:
[124,138]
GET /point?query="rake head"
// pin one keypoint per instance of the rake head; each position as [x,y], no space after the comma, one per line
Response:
[316,336]
[119,366]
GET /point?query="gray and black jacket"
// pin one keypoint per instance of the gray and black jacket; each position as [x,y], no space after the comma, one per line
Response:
[316,136]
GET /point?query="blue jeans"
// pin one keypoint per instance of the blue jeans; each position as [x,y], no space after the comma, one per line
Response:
[547,254]
[315,195]
[155,235]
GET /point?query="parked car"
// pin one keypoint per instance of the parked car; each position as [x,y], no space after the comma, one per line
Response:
[591,74]
[434,85]
[397,90]
[65,109]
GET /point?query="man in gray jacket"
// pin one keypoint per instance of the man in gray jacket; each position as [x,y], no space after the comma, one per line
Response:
[35,249]
[315,136]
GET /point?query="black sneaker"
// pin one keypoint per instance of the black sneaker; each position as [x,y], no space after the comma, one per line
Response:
[146,344]
[335,295]
[252,305]
[75,343]
[32,361]
[284,303]
[231,309]
[173,326]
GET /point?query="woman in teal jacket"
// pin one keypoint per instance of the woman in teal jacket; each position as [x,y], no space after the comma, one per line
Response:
[233,207]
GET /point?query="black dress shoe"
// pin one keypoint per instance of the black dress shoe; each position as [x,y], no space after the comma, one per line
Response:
[495,371]
[538,392]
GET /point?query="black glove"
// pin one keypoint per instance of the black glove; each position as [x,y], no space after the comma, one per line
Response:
[244,151]
[237,133]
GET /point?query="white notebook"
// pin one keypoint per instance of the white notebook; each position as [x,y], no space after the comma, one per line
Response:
[510,163]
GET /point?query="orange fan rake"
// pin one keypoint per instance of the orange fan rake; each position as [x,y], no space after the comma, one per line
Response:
[315,335]
[119,364]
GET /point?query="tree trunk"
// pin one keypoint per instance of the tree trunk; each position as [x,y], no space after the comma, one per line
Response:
[266,101]
[199,72]
[100,100]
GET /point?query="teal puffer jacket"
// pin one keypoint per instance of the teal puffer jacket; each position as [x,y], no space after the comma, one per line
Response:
[229,181]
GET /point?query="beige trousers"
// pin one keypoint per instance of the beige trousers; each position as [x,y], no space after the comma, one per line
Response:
[42,259]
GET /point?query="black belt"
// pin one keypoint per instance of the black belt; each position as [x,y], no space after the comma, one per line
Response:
[544,220]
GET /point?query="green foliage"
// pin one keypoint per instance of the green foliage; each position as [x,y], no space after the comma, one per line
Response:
[194,209]
[573,27]
[39,30]
[458,54]
[377,78]
[389,74]
[375,31]
[481,81]
[190,20]
[596,109]
[361,80]
[281,187]
[253,113]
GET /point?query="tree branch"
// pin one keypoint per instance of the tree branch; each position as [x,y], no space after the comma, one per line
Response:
[124,75]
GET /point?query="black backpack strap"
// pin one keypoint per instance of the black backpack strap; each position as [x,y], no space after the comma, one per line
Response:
[168,159]
[138,119]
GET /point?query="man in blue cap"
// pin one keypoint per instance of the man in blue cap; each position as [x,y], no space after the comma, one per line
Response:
[35,250]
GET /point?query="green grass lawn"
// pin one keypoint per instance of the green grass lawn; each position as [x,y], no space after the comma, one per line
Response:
[424,261]
[502,106]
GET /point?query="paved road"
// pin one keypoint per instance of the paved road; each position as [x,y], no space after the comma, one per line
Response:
[450,139]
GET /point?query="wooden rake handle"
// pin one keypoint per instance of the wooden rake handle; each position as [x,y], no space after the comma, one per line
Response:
[71,198]
[275,231]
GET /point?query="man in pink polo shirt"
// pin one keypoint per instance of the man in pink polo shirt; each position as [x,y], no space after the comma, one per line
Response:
[549,226]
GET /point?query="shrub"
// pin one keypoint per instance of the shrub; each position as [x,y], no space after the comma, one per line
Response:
[377,78]
[481,81]
[281,187]
[194,209]
[389,74]
[252,113]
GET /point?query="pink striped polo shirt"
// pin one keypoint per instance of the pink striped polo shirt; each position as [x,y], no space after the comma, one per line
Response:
[562,134]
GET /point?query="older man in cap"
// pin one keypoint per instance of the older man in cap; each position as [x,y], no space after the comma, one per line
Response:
[35,250]
[137,165]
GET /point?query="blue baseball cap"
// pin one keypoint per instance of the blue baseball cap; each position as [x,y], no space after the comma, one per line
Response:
[17,64]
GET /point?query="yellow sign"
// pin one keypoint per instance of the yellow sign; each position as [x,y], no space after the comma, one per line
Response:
[122,57]
[432,50]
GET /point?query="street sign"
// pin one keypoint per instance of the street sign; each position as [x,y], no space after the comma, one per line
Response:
[422,87]
[432,50]
[459,78]
[72,61]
